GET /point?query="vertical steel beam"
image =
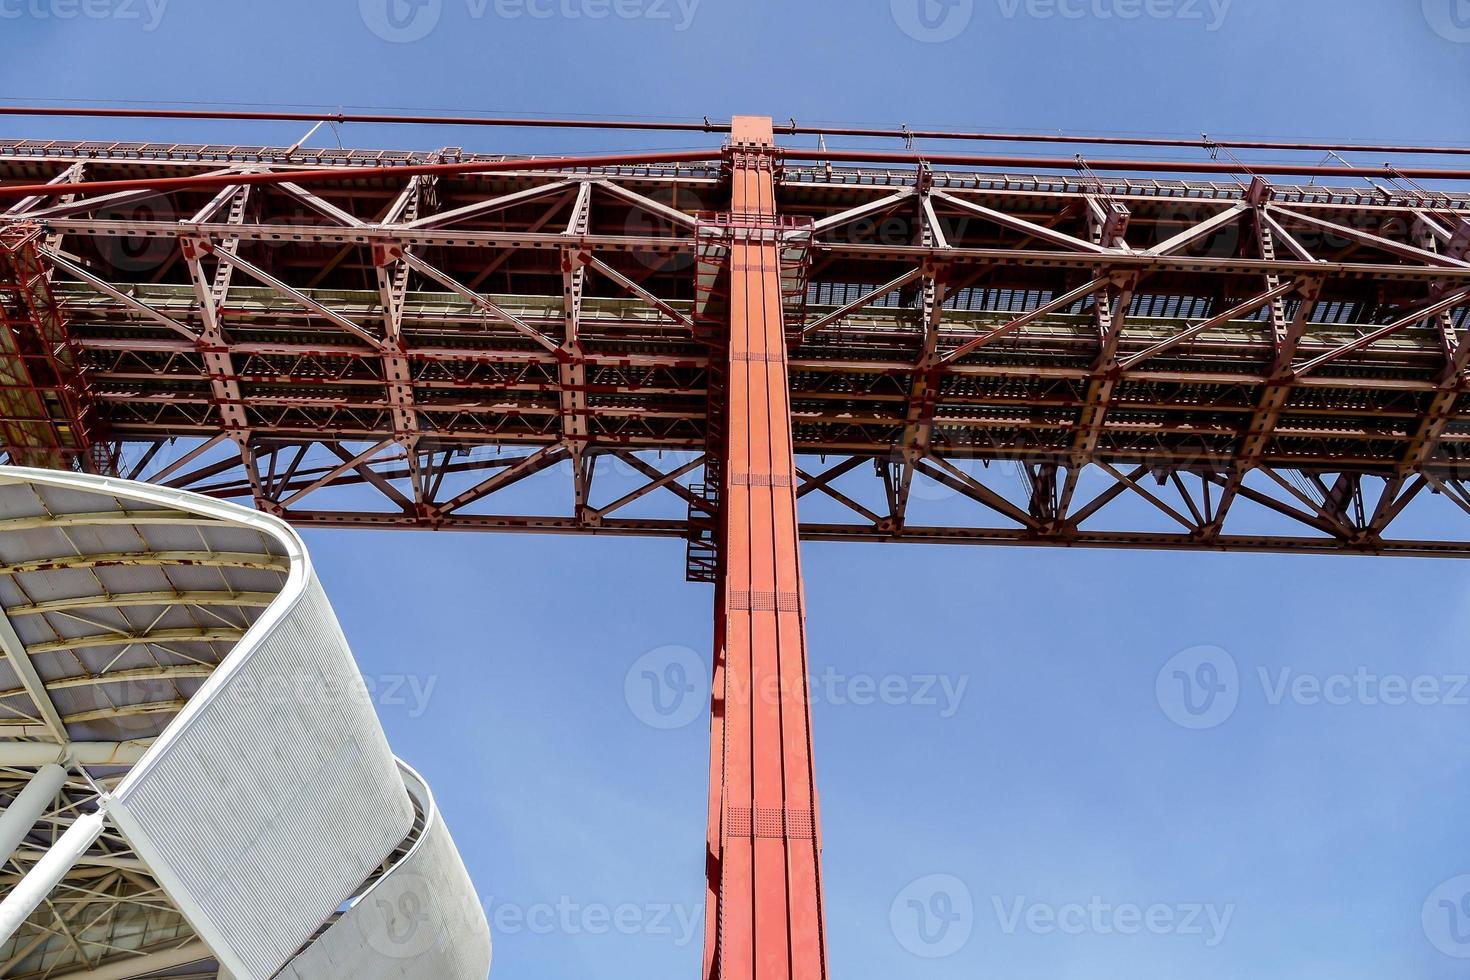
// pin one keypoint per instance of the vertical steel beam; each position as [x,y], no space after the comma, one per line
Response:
[212,294]
[765,920]
[392,277]
[571,365]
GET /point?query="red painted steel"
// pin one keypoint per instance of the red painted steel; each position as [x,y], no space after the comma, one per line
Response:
[765,915]
[182,343]
[47,414]
[327,175]
[330,174]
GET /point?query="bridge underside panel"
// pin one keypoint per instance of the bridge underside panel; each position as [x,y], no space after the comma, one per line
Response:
[181,653]
[1071,359]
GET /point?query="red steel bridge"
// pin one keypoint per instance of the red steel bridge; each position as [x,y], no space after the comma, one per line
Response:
[762,343]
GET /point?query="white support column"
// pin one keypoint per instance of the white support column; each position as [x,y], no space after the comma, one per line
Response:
[48,872]
[21,816]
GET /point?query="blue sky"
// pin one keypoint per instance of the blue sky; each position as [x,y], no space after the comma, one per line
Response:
[1047,808]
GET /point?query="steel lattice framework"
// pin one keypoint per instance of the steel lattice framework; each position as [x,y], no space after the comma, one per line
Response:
[915,347]
[1181,343]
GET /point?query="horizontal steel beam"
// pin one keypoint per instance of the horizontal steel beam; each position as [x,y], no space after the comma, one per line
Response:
[911,535]
[28,755]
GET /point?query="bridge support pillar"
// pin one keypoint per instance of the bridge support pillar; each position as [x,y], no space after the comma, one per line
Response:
[764,904]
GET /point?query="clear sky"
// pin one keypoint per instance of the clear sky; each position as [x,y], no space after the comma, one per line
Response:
[1028,805]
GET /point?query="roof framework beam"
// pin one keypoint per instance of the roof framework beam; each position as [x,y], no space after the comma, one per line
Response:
[29,755]
[20,661]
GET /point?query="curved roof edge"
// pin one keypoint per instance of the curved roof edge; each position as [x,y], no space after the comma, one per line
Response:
[237,807]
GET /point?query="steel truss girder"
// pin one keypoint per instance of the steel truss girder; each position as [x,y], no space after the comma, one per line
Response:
[392,331]
[1003,510]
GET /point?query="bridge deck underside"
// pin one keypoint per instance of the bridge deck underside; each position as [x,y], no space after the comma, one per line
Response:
[973,357]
